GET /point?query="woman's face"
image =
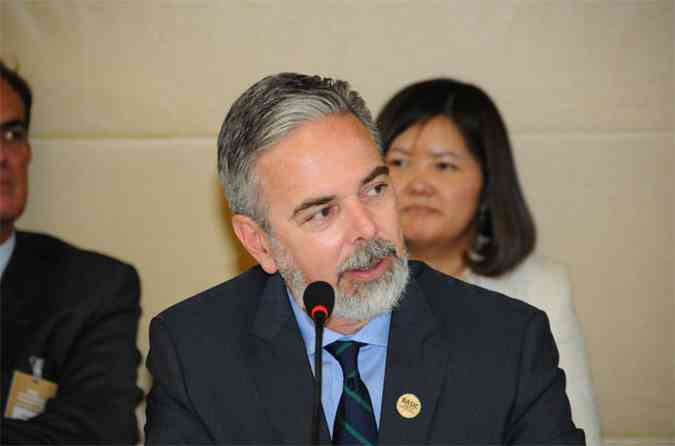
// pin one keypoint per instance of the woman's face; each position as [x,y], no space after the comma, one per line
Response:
[438,183]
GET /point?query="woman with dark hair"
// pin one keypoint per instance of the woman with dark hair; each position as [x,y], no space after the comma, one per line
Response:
[463,212]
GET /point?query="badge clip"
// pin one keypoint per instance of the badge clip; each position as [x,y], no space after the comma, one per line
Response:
[37,366]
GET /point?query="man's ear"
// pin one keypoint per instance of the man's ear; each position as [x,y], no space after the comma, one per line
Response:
[255,240]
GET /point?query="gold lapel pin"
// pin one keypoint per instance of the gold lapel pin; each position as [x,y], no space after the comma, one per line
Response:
[408,405]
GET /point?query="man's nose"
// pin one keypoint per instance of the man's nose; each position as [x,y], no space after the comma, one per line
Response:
[4,151]
[362,223]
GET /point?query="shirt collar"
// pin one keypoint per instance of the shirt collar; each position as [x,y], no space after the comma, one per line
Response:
[6,249]
[375,332]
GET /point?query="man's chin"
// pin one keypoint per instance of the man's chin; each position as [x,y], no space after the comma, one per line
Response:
[365,300]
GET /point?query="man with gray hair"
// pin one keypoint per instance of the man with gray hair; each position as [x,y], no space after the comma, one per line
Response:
[412,356]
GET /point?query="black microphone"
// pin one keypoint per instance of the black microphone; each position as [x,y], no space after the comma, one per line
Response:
[319,299]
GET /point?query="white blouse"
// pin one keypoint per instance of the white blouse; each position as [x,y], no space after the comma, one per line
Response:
[545,285]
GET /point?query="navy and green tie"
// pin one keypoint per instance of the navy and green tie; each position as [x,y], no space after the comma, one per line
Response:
[355,420]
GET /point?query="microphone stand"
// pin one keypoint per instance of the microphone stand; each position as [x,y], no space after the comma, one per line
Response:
[318,349]
[319,298]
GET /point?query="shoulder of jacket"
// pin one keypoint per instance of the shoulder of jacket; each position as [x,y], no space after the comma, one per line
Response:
[56,251]
[449,295]
[227,299]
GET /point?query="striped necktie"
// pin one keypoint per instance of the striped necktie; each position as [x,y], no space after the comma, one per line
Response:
[355,420]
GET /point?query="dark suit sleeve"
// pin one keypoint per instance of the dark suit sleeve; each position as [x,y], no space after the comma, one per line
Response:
[541,413]
[97,391]
[171,418]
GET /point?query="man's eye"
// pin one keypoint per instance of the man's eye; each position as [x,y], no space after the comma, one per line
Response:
[15,134]
[377,189]
[320,215]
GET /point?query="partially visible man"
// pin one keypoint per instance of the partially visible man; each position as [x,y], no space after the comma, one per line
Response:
[69,316]
[411,356]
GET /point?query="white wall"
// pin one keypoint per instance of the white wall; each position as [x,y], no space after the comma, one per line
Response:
[129,96]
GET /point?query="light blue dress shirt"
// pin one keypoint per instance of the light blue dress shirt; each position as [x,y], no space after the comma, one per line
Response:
[372,359]
[6,250]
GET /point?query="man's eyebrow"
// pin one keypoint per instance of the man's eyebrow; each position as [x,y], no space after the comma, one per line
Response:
[319,201]
[311,202]
[12,123]
[376,172]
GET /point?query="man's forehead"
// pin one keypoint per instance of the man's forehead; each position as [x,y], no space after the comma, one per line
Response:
[333,137]
[311,178]
[11,105]
[323,157]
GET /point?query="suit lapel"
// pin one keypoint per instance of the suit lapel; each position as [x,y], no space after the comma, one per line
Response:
[417,361]
[22,289]
[23,277]
[281,369]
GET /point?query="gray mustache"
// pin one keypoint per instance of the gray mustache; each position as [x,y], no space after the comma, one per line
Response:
[368,254]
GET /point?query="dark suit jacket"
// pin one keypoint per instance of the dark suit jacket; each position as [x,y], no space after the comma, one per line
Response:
[79,311]
[230,366]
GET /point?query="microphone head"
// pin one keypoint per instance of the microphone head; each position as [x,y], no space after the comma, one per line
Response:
[319,299]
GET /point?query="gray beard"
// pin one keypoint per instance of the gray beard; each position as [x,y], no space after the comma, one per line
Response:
[366,300]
